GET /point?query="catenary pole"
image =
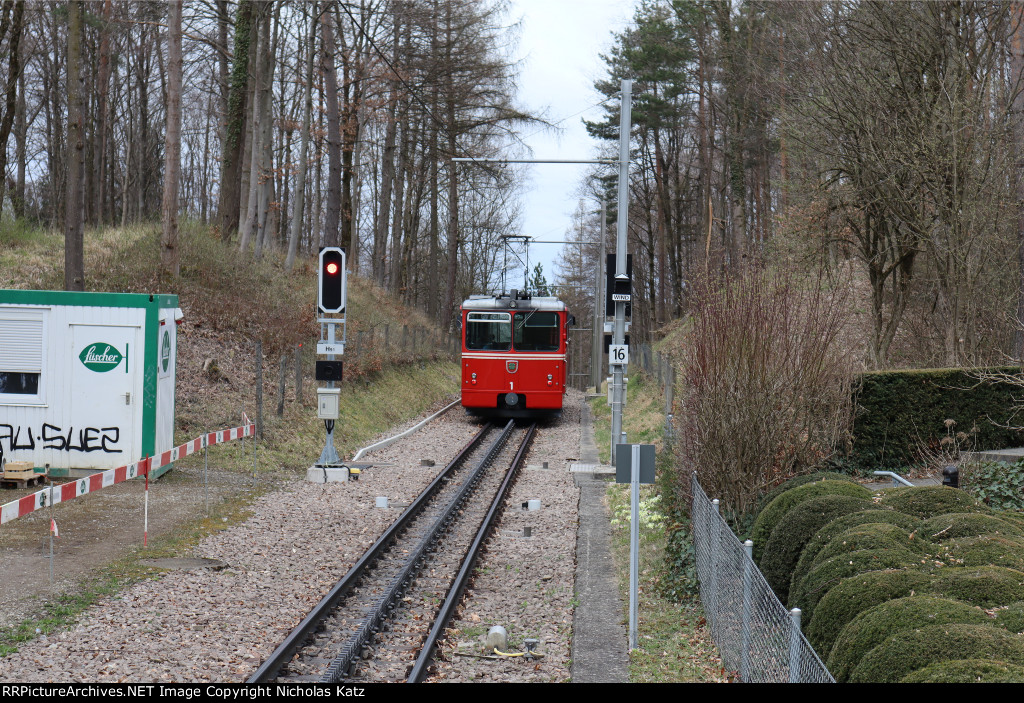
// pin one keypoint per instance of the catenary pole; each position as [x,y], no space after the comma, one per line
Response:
[619,330]
[598,331]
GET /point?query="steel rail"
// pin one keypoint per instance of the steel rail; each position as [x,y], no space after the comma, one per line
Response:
[426,655]
[342,665]
[268,671]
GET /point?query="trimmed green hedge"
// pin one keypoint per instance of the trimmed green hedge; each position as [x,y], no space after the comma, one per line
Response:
[774,511]
[1011,617]
[870,536]
[954,525]
[853,596]
[987,586]
[899,412]
[1010,517]
[797,481]
[927,501]
[831,572]
[967,671]
[983,550]
[821,539]
[782,552]
[872,627]
[910,650]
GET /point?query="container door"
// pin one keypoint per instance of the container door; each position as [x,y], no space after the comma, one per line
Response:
[104,395]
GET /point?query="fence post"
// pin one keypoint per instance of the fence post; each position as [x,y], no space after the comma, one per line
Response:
[794,645]
[259,387]
[670,376]
[716,538]
[206,471]
[281,384]
[298,373]
[748,563]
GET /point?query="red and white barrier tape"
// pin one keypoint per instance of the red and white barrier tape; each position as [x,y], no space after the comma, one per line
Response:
[73,489]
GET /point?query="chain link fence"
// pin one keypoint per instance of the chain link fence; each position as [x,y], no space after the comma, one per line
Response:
[756,636]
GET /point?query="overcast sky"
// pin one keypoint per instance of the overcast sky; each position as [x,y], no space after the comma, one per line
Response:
[560,44]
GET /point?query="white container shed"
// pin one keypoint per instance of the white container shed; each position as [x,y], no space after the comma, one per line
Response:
[86,379]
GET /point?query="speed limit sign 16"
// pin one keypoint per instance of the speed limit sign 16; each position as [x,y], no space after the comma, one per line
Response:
[618,354]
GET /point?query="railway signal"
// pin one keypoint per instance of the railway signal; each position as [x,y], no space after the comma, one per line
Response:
[330,301]
[331,283]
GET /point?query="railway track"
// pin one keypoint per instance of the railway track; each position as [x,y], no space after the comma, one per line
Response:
[382,620]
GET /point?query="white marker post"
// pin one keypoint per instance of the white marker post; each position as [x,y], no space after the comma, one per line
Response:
[634,545]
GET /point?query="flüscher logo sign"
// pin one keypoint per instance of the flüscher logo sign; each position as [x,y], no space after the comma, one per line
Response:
[101,357]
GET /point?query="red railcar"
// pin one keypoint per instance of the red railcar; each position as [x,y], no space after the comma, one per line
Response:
[514,355]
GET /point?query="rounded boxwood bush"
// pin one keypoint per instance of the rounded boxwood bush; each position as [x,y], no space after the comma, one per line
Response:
[967,671]
[787,540]
[800,481]
[986,586]
[1010,517]
[831,572]
[926,501]
[852,596]
[838,526]
[953,525]
[983,550]
[873,626]
[915,649]
[870,536]
[1011,617]
[772,513]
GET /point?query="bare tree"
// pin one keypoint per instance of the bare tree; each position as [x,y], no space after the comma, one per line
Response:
[74,259]
[169,257]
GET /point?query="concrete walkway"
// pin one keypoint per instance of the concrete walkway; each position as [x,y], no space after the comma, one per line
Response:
[599,645]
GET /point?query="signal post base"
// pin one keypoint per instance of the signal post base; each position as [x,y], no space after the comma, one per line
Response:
[319,473]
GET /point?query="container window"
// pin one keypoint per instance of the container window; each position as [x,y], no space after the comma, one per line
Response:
[19,383]
[21,354]
[489,331]
[536,331]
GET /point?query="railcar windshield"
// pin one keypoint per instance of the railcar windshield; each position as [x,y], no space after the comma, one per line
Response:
[536,331]
[489,331]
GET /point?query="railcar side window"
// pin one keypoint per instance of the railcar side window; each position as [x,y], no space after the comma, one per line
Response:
[489,331]
[536,331]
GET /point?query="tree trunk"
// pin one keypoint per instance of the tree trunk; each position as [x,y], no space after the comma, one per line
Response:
[307,111]
[333,213]
[11,101]
[169,257]
[74,261]
[103,119]
[234,130]
[1017,80]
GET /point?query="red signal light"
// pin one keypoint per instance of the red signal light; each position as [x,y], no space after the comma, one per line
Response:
[331,293]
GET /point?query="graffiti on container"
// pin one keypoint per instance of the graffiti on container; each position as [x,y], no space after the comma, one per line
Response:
[86,439]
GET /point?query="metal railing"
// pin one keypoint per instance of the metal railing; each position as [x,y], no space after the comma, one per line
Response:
[756,636]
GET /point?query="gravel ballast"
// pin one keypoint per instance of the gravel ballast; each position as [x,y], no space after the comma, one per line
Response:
[218,625]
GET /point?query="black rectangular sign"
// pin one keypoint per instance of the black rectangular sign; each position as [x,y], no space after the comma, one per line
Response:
[613,287]
[328,370]
[624,463]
